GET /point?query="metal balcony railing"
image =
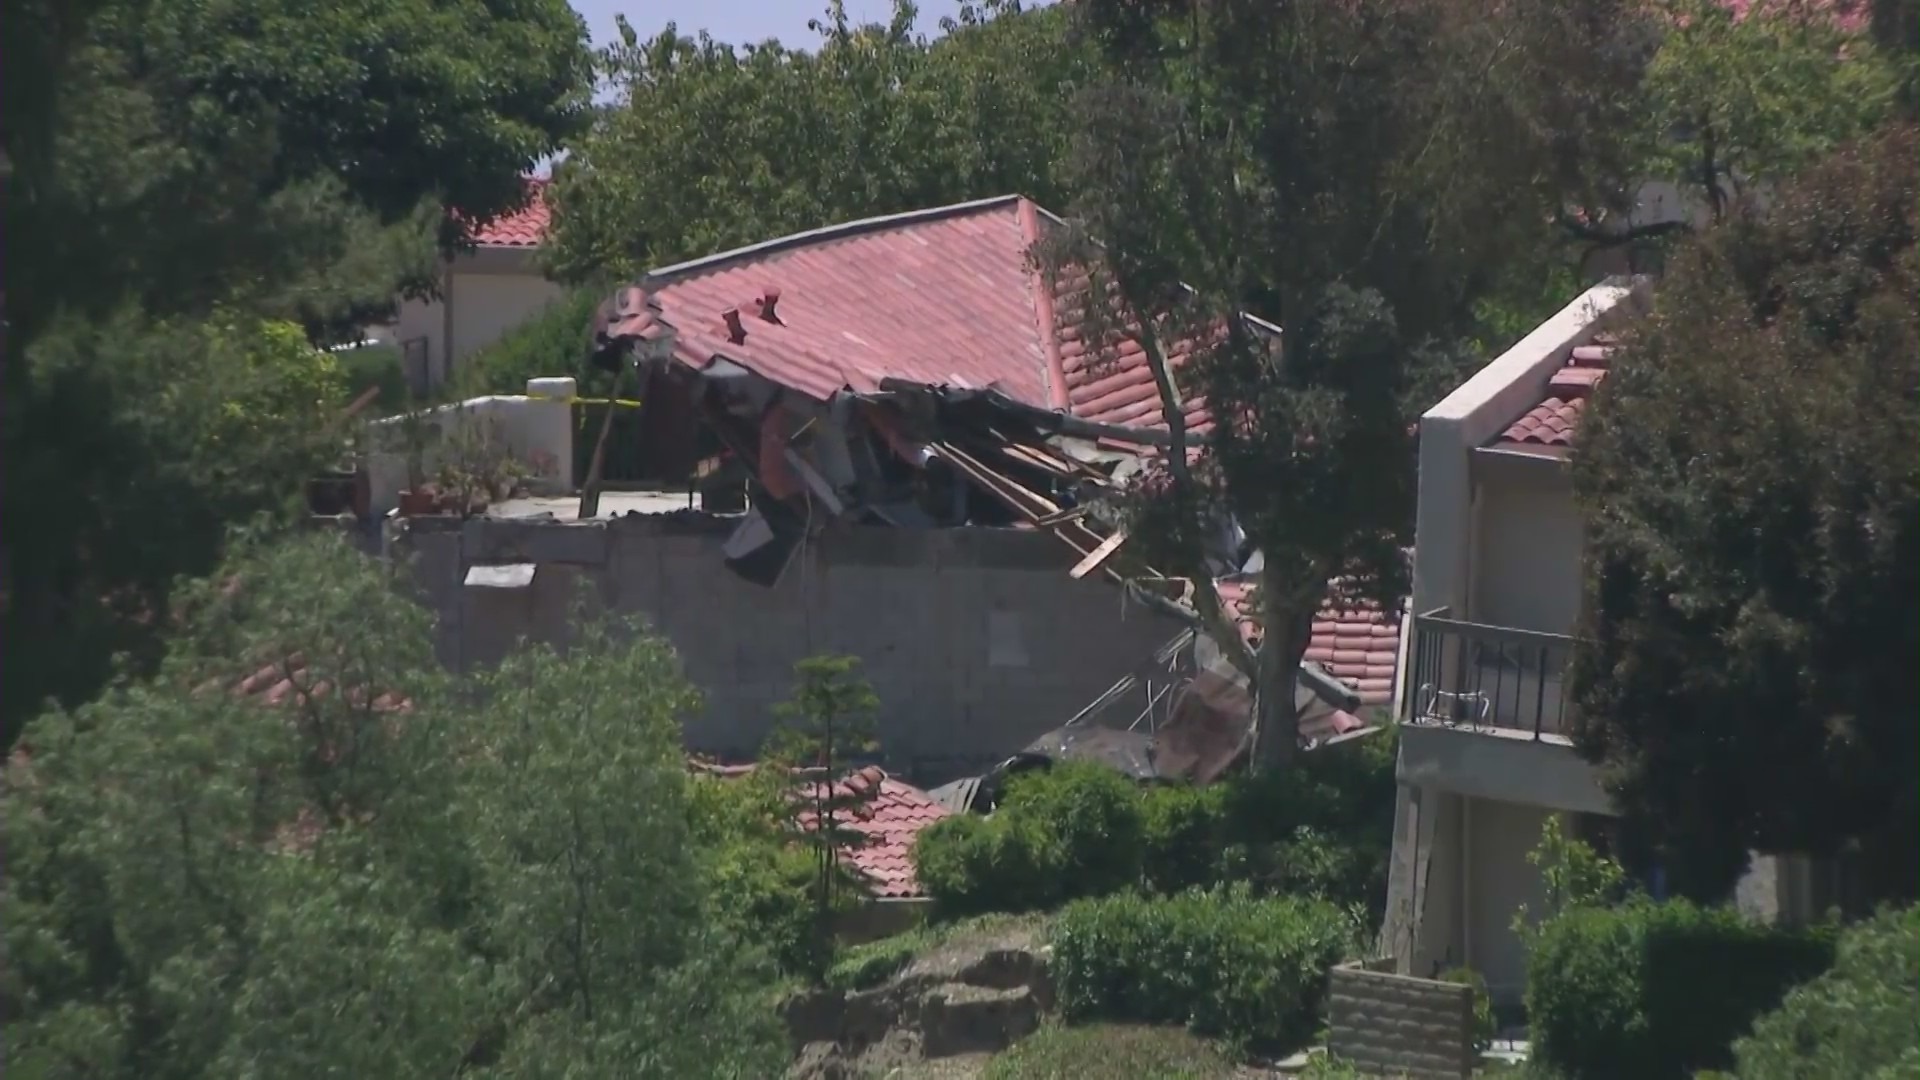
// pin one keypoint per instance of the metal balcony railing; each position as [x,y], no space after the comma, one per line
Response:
[1484,677]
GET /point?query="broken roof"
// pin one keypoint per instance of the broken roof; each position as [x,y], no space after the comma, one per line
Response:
[949,303]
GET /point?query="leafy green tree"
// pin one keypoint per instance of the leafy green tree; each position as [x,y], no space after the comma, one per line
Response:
[173,164]
[1854,1020]
[710,147]
[828,722]
[1353,175]
[1753,524]
[208,424]
[375,870]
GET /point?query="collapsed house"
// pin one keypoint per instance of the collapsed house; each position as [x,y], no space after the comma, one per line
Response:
[918,372]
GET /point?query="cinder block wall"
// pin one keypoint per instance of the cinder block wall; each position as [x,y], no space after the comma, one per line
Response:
[975,640]
[1392,1025]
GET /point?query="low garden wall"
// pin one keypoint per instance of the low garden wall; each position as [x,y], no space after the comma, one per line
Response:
[1396,1025]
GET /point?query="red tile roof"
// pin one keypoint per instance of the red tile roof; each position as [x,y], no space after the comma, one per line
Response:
[1109,381]
[1556,419]
[1353,640]
[886,813]
[274,684]
[940,297]
[524,228]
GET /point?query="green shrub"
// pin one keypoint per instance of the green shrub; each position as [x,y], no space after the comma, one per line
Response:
[972,865]
[1223,963]
[1324,829]
[1856,1020]
[1068,832]
[1086,821]
[1183,833]
[1483,1023]
[762,882]
[1657,989]
[376,367]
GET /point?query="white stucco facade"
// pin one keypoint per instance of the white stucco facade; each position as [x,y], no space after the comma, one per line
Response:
[483,294]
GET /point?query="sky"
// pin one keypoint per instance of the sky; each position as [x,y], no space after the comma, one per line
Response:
[740,22]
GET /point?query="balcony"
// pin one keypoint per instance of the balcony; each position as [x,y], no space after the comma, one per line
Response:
[1487,678]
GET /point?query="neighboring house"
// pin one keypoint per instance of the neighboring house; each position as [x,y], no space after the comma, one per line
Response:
[484,293]
[1484,754]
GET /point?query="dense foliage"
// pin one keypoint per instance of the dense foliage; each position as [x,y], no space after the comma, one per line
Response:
[1068,832]
[712,146]
[1357,176]
[1081,829]
[1855,1020]
[497,877]
[1753,510]
[1657,989]
[186,172]
[1223,963]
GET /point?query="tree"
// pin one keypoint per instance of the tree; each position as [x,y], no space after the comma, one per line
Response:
[710,147]
[492,878]
[1752,502]
[829,720]
[1353,176]
[176,171]
[1853,1020]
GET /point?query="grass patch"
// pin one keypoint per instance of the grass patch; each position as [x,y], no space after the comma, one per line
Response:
[863,967]
[1058,1052]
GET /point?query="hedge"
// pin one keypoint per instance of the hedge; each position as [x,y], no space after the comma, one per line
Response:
[1224,963]
[1072,831]
[1658,989]
[1323,829]
[1856,1020]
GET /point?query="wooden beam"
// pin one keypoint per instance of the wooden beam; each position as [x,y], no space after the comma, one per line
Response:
[1098,555]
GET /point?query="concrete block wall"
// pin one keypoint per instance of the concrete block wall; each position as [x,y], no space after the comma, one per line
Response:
[1394,1025]
[975,640]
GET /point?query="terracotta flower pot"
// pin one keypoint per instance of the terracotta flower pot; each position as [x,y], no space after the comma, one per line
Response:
[420,502]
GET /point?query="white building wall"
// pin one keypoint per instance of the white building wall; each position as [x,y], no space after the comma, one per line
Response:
[489,292]
[1529,547]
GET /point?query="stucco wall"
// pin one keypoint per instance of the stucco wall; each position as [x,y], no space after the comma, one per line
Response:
[486,306]
[975,640]
[1496,837]
[491,292]
[1527,558]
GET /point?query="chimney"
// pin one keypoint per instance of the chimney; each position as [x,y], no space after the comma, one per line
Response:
[736,333]
[769,299]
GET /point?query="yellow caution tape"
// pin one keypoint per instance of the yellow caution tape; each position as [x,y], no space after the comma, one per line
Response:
[628,403]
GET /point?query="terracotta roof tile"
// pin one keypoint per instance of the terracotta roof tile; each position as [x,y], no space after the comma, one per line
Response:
[1353,640]
[941,297]
[276,683]
[886,813]
[1109,381]
[524,228]
[1556,419]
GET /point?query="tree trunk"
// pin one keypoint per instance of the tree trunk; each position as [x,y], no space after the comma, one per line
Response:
[1283,641]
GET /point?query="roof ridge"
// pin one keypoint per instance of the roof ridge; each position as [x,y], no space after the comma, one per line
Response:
[663,275]
[1044,313]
